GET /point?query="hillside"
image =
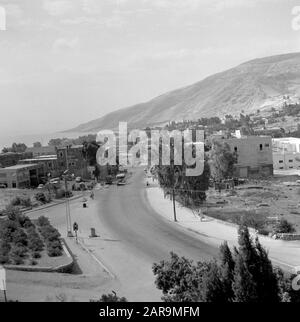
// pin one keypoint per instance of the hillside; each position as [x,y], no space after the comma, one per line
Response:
[256,84]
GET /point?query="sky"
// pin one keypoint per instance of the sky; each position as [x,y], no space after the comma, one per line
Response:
[65,62]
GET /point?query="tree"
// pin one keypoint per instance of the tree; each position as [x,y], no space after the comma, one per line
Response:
[222,161]
[246,275]
[89,151]
[37,144]
[16,148]
[284,227]
[55,142]
[111,297]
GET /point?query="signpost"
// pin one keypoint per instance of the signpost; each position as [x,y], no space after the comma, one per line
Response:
[3,281]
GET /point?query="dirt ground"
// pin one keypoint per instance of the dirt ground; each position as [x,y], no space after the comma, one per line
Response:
[268,200]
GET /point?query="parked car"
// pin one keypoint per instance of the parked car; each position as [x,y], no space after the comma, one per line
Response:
[3,186]
[40,186]
[78,179]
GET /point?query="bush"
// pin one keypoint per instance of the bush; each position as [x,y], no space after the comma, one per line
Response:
[263,232]
[35,243]
[19,238]
[25,221]
[284,227]
[12,213]
[7,229]
[54,252]
[17,254]
[43,221]
[4,251]
[32,262]
[41,197]
[19,201]
[36,255]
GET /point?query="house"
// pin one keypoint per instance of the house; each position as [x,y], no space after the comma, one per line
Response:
[286,153]
[254,156]
[12,158]
[49,163]
[22,175]
[71,158]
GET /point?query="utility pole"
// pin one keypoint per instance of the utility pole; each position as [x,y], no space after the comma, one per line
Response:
[174,206]
[173,195]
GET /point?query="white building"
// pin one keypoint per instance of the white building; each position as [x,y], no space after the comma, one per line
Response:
[286,153]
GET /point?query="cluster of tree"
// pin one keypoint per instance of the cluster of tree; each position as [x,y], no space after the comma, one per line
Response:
[244,275]
[16,148]
[78,141]
[18,238]
[189,190]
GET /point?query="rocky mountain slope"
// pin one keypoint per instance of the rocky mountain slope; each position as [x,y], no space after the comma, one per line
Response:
[257,84]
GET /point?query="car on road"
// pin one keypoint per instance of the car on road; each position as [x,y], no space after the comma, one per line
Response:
[121,183]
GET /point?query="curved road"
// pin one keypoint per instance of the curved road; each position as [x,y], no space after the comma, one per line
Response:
[136,237]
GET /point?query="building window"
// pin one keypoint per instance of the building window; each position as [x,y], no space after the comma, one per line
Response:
[61,154]
[291,167]
[280,161]
[235,149]
[260,147]
[290,161]
[267,145]
[281,168]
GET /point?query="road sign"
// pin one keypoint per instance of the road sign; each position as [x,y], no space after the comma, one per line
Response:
[2,279]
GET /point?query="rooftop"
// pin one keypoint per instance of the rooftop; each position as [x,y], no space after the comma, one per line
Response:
[20,166]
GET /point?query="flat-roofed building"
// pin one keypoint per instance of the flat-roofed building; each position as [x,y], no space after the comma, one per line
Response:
[48,161]
[71,158]
[254,156]
[22,175]
[12,158]
[286,153]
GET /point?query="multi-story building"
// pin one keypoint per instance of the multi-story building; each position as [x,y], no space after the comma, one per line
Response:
[22,175]
[12,158]
[254,156]
[71,158]
[48,161]
[286,153]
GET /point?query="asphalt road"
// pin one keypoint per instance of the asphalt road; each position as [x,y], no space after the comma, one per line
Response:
[143,237]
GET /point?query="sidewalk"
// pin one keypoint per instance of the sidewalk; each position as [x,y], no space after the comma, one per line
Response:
[285,254]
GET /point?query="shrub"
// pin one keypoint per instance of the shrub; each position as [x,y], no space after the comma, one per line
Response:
[263,232]
[43,221]
[54,252]
[7,228]
[19,201]
[20,238]
[41,197]
[12,213]
[32,262]
[284,227]
[17,254]
[36,255]
[4,251]
[25,221]
[35,243]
